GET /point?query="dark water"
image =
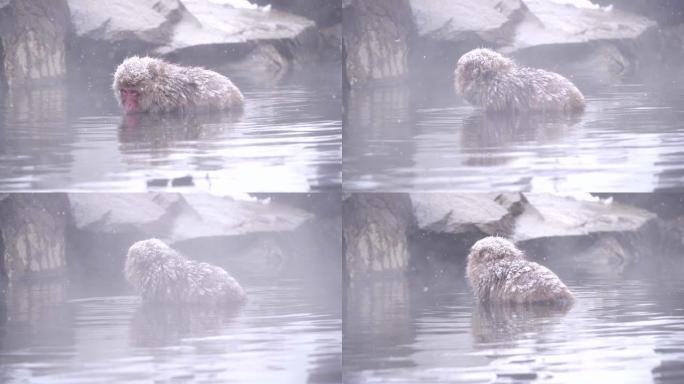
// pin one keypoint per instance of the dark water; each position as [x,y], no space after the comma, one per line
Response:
[287,333]
[621,330]
[425,137]
[74,138]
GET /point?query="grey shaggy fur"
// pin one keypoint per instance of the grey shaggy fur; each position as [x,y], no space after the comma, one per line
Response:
[160,274]
[166,87]
[487,79]
[498,272]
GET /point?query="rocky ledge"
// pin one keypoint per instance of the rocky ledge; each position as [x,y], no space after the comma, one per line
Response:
[402,232]
[39,41]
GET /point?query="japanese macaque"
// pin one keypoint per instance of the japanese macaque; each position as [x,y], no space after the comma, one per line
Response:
[487,79]
[160,274]
[148,84]
[499,272]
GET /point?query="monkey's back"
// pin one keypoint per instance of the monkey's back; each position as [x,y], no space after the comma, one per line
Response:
[160,274]
[212,90]
[528,89]
[490,80]
[177,88]
[517,281]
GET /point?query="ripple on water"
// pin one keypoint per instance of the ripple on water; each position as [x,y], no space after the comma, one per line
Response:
[629,139]
[290,133]
[619,331]
[280,335]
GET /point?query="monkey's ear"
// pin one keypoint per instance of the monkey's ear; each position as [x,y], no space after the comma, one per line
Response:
[481,255]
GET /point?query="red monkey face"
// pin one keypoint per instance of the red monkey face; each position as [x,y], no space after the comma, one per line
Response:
[129,99]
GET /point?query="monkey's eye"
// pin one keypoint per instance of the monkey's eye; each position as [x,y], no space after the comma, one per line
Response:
[129,92]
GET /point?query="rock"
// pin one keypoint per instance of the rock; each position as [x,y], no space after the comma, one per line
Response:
[120,212]
[547,216]
[653,248]
[324,12]
[146,21]
[103,36]
[602,62]
[263,58]
[32,233]
[105,226]
[550,23]
[677,226]
[607,255]
[667,206]
[459,213]
[192,32]
[670,52]
[375,234]
[490,21]
[331,39]
[264,255]
[204,30]
[178,218]
[603,42]
[383,232]
[203,216]
[32,41]
[596,236]
[664,12]
[323,205]
[376,35]
[513,202]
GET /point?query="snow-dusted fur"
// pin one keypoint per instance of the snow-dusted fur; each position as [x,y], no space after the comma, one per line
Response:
[160,274]
[498,272]
[166,87]
[487,79]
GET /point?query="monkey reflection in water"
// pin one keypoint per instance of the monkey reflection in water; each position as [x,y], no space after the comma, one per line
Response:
[164,130]
[160,324]
[490,139]
[506,322]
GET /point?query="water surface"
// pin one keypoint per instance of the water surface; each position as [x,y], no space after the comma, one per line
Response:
[423,136]
[288,332]
[621,330]
[74,137]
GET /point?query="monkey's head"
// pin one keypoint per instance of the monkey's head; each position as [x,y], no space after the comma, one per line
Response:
[147,257]
[479,65]
[492,249]
[134,82]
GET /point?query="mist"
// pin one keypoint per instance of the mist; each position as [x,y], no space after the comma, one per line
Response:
[68,308]
[412,307]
